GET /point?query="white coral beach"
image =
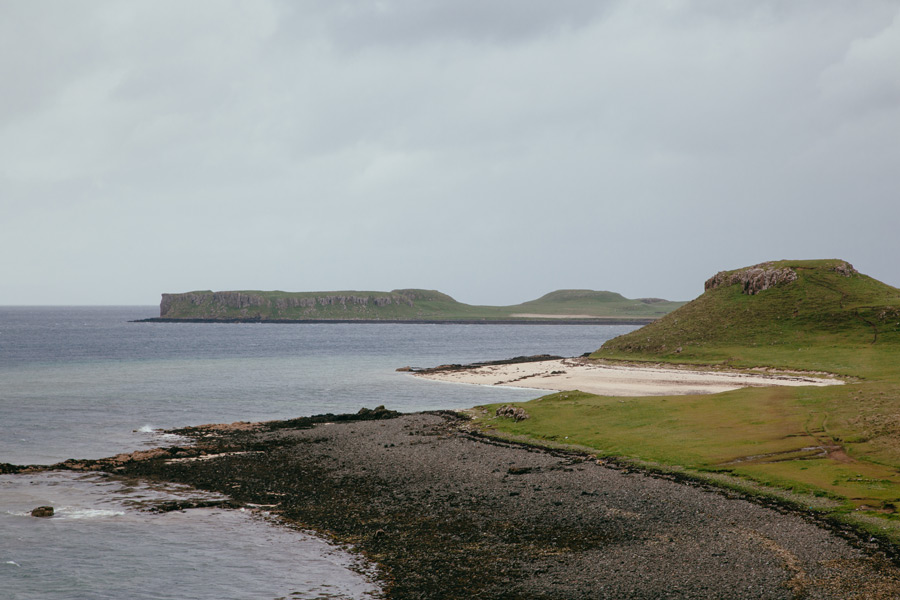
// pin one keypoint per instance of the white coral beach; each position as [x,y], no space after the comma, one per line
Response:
[608,379]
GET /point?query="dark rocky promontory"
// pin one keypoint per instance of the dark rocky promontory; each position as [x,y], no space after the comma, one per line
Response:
[445,514]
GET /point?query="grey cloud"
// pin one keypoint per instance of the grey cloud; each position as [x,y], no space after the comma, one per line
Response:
[866,77]
[638,147]
[355,25]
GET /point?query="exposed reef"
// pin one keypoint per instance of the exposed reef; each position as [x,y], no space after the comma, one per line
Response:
[446,513]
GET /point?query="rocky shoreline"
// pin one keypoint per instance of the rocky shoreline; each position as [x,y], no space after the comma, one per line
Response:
[446,513]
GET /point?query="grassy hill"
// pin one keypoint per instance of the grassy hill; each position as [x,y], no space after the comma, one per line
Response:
[406,304]
[805,323]
[833,450]
[587,302]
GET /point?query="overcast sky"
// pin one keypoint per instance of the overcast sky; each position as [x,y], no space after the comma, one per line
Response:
[491,149]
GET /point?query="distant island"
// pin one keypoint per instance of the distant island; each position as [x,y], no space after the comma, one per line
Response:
[407,305]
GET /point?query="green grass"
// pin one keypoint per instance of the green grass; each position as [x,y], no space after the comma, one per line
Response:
[400,305]
[577,302]
[823,321]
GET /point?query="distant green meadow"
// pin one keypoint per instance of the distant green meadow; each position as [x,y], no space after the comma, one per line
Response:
[834,450]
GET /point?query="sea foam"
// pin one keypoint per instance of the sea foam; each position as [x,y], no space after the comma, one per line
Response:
[71,512]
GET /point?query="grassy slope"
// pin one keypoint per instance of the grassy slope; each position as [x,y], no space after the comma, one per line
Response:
[427,304]
[587,302]
[822,322]
[812,323]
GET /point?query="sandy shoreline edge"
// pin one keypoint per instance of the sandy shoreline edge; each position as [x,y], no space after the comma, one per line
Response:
[607,379]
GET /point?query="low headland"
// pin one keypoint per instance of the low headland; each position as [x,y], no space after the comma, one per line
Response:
[831,450]
[406,306]
[445,512]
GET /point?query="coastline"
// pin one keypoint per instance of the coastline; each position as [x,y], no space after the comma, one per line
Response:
[445,513]
[522,321]
[611,379]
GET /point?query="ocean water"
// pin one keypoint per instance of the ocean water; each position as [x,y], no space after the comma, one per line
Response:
[85,382]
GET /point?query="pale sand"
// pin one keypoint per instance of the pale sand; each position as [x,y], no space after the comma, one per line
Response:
[618,380]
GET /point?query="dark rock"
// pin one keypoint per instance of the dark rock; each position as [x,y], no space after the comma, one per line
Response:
[514,412]
[379,412]
[180,505]
[42,511]
[490,363]
[519,470]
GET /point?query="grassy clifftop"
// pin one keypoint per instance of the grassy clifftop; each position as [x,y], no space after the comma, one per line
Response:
[405,304]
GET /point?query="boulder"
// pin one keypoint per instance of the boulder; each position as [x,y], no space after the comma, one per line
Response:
[513,412]
[42,511]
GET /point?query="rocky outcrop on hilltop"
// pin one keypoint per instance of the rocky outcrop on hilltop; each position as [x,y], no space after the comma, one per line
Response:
[765,275]
[753,279]
[844,268]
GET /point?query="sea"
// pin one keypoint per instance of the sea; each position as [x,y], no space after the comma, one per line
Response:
[90,382]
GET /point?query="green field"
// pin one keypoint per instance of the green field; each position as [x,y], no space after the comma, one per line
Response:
[403,305]
[834,449]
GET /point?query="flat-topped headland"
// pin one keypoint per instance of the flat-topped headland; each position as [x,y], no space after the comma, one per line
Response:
[406,306]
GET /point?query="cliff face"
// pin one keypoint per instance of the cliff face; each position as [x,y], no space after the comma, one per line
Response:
[252,304]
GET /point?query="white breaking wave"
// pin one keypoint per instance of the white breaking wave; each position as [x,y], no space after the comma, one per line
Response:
[158,433]
[69,512]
